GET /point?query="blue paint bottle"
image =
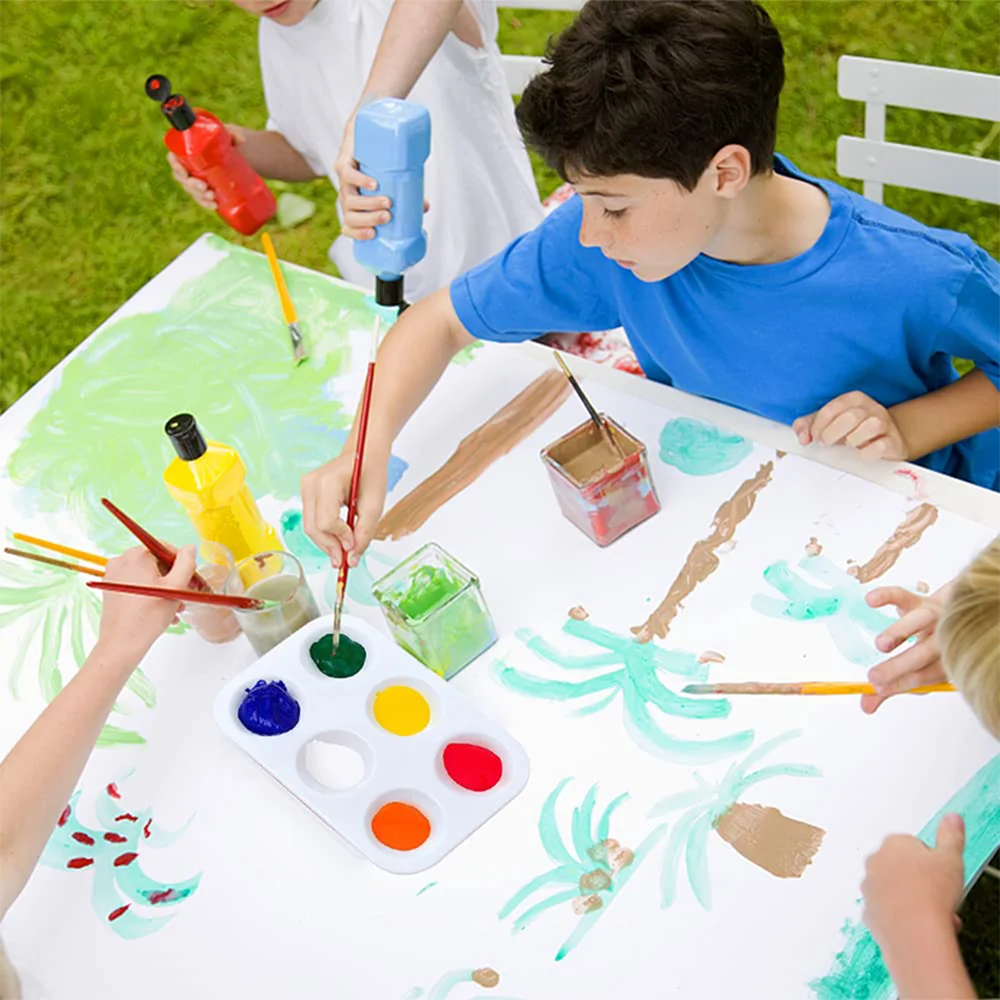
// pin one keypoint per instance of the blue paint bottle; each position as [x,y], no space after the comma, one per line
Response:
[392,140]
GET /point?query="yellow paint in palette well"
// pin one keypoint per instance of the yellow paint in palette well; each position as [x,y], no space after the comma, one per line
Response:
[401,710]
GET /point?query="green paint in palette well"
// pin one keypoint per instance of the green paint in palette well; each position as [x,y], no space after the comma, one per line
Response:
[348,659]
[858,971]
[699,449]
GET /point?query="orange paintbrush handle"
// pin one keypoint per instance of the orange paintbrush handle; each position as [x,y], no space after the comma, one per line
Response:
[66,550]
[287,309]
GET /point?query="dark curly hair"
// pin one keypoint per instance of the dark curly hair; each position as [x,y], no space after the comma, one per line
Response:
[657,88]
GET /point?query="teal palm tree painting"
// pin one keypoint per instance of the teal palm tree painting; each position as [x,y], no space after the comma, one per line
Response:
[56,616]
[763,835]
[836,599]
[635,672]
[590,868]
[129,901]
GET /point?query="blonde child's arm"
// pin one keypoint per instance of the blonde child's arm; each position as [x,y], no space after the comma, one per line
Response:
[412,358]
[37,777]
[911,893]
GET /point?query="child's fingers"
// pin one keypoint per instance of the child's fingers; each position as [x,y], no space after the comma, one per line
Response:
[911,624]
[876,450]
[951,834]
[365,220]
[802,428]
[351,176]
[838,429]
[181,572]
[866,432]
[905,600]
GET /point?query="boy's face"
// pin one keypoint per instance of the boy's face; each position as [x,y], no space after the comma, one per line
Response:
[287,12]
[651,226]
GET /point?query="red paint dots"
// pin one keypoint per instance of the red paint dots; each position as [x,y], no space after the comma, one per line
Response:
[83,838]
[66,813]
[115,838]
[145,829]
[128,816]
[164,896]
[113,791]
[79,862]
[472,767]
[125,859]
[115,914]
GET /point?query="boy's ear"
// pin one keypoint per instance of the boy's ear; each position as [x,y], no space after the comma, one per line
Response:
[732,170]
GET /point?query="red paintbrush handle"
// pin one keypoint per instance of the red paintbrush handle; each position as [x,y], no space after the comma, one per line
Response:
[193,596]
[165,554]
[359,454]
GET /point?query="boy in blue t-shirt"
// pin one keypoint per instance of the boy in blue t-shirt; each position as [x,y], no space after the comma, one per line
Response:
[735,276]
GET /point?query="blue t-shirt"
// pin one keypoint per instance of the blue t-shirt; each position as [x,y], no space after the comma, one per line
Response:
[879,304]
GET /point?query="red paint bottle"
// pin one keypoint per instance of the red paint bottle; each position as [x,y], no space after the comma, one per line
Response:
[204,146]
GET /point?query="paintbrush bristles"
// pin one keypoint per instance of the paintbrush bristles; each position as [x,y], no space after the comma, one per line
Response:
[601,425]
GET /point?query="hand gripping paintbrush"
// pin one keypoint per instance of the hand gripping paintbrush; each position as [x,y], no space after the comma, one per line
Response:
[359,453]
[600,424]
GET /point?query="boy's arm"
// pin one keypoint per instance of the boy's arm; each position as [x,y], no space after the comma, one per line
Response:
[958,411]
[925,962]
[412,358]
[413,32]
[37,777]
[272,155]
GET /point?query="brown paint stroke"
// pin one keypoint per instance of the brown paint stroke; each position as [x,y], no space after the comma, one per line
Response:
[916,522]
[578,613]
[813,548]
[923,587]
[770,839]
[486,977]
[702,560]
[711,656]
[527,411]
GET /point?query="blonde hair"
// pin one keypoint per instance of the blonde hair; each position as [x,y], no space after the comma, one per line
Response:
[969,633]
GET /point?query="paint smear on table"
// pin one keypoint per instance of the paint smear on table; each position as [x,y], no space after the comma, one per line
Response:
[699,449]
[526,412]
[858,969]
[130,903]
[774,842]
[702,560]
[916,522]
[639,682]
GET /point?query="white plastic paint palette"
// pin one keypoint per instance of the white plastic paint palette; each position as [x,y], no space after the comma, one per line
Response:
[371,785]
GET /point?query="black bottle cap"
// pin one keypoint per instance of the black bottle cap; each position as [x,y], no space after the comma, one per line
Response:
[158,88]
[179,113]
[389,293]
[185,436]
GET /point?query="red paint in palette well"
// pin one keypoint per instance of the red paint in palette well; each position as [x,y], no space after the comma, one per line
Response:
[472,767]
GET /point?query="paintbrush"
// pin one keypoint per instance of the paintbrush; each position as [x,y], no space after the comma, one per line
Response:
[600,424]
[287,307]
[36,557]
[804,687]
[359,452]
[237,601]
[165,554]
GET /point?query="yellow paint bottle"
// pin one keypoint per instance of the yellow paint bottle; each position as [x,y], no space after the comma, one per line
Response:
[208,480]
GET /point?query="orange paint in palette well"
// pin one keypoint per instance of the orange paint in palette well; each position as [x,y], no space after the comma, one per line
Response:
[424,768]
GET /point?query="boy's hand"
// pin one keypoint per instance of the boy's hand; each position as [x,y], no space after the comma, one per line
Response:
[910,888]
[362,213]
[858,421]
[326,491]
[199,190]
[919,664]
[131,622]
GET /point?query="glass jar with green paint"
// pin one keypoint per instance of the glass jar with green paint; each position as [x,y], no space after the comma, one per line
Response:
[435,610]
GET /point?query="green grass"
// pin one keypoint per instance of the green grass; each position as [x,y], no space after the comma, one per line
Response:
[88,211]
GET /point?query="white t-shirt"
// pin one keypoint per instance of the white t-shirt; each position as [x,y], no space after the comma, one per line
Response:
[478,178]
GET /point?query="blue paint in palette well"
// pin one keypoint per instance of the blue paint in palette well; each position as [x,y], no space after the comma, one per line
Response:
[268,709]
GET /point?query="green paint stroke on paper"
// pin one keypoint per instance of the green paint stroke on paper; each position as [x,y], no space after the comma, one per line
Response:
[219,349]
[699,449]
[638,680]
[838,600]
[121,891]
[703,807]
[858,971]
[591,868]
[430,885]
[57,617]
[467,354]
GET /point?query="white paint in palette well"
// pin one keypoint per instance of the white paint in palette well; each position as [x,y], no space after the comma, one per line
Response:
[331,761]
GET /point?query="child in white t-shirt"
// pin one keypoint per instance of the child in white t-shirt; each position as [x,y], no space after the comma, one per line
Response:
[322,59]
